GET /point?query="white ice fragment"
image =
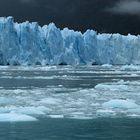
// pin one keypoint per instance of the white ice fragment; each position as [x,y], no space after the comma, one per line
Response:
[6,100]
[134,75]
[105,113]
[107,65]
[120,104]
[56,116]
[60,85]
[30,111]
[134,111]
[111,87]
[134,115]
[14,117]
[84,117]
[50,100]
[130,67]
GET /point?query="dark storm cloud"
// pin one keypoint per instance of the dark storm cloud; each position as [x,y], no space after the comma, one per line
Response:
[77,14]
[25,1]
[29,2]
[129,7]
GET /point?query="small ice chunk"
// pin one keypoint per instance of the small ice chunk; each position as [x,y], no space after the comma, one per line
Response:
[105,113]
[133,116]
[30,110]
[50,100]
[107,65]
[56,116]
[130,68]
[77,117]
[14,117]
[120,104]
[6,100]
[111,87]
[60,85]
[134,75]
[134,111]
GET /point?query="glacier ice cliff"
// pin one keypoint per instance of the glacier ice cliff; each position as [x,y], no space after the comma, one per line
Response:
[30,44]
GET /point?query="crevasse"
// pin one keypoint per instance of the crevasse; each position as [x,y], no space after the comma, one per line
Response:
[30,44]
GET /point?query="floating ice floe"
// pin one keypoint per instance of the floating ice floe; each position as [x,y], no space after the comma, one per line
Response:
[131,67]
[50,100]
[56,116]
[107,65]
[133,116]
[30,110]
[82,117]
[111,87]
[7,100]
[120,104]
[14,117]
[105,113]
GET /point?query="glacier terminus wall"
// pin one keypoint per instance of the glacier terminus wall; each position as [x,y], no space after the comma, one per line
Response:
[30,44]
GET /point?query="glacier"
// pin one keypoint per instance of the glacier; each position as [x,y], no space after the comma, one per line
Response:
[30,44]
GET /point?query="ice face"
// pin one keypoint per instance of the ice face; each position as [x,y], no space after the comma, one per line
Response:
[30,44]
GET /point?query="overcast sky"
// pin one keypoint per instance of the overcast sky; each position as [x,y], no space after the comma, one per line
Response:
[122,16]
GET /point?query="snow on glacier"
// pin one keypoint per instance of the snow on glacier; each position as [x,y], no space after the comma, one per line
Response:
[30,44]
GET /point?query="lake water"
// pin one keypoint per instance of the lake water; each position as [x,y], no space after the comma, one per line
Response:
[70,103]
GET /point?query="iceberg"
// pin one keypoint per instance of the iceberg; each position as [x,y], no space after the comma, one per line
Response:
[13,117]
[120,104]
[30,44]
